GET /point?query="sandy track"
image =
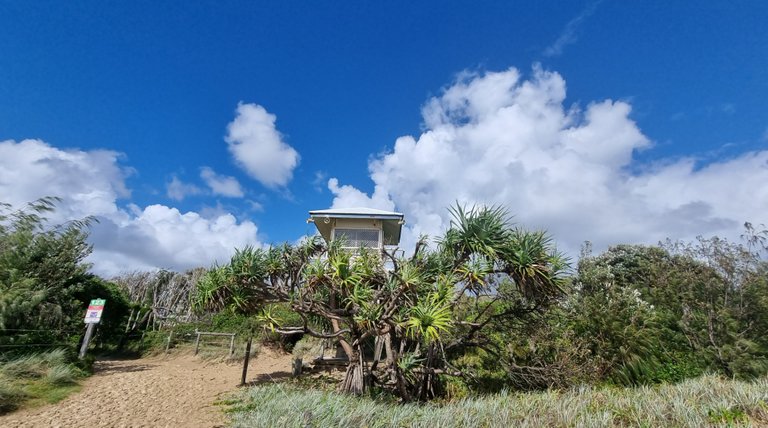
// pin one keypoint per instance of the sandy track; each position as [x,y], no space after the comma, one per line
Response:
[167,391]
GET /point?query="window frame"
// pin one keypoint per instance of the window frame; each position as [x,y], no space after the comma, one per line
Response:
[379,239]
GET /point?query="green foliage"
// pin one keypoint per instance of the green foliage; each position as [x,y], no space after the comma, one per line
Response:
[228,322]
[429,320]
[150,342]
[47,377]
[11,395]
[660,314]
[45,286]
[729,416]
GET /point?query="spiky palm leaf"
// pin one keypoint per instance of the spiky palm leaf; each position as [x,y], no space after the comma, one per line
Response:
[315,272]
[428,319]
[407,363]
[342,272]
[410,275]
[479,230]
[368,314]
[533,263]
[211,292]
[248,265]
[268,317]
[475,271]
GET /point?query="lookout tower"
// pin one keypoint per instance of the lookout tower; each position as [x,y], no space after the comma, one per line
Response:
[360,227]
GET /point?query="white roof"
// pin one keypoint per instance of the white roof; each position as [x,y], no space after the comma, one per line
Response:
[391,222]
[355,212]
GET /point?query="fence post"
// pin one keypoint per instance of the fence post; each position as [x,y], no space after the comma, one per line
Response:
[232,345]
[245,360]
[197,342]
[298,364]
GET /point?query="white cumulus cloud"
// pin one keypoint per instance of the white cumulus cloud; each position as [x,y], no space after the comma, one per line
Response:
[222,185]
[178,190]
[90,183]
[163,237]
[497,138]
[258,146]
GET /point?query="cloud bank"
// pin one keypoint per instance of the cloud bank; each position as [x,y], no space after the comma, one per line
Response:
[498,138]
[90,184]
[258,147]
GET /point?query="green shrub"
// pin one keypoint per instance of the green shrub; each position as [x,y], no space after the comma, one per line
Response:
[11,394]
[30,366]
[151,342]
[47,376]
[727,415]
[61,375]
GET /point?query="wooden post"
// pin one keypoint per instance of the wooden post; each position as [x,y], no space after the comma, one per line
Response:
[197,342]
[86,340]
[168,345]
[245,360]
[232,345]
[298,364]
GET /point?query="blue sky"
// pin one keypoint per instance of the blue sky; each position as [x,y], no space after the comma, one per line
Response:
[661,127]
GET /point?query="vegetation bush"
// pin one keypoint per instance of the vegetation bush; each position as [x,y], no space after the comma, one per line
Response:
[660,314]
[45,286]
[46,377]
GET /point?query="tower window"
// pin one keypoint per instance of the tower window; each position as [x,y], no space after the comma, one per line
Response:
[356,238]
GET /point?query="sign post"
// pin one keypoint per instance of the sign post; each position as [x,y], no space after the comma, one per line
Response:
[92,317]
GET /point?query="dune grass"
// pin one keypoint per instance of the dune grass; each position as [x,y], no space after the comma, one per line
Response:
[37,379]
[705,401]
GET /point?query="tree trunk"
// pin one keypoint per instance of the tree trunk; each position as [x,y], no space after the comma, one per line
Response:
[430,382]
[356,379]
[336,328]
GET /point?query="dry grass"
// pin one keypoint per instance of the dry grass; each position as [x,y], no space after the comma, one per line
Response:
[705,401]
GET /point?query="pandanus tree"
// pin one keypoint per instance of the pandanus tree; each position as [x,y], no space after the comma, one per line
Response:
[420,310]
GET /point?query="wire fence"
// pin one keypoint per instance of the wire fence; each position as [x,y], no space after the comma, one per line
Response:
[20,341]
[22,345]
[208,344]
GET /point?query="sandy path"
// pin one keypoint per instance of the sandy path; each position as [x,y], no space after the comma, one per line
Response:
[168,391]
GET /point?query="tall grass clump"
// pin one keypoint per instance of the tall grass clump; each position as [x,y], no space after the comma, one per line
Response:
[42,377]
[705,401]
[10,394]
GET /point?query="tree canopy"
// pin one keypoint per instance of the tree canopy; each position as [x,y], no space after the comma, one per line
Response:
[420,310]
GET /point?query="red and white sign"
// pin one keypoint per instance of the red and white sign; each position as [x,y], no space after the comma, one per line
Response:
[95,308]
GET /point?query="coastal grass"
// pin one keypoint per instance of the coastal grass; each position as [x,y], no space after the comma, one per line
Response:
[704,401]
[35,379]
